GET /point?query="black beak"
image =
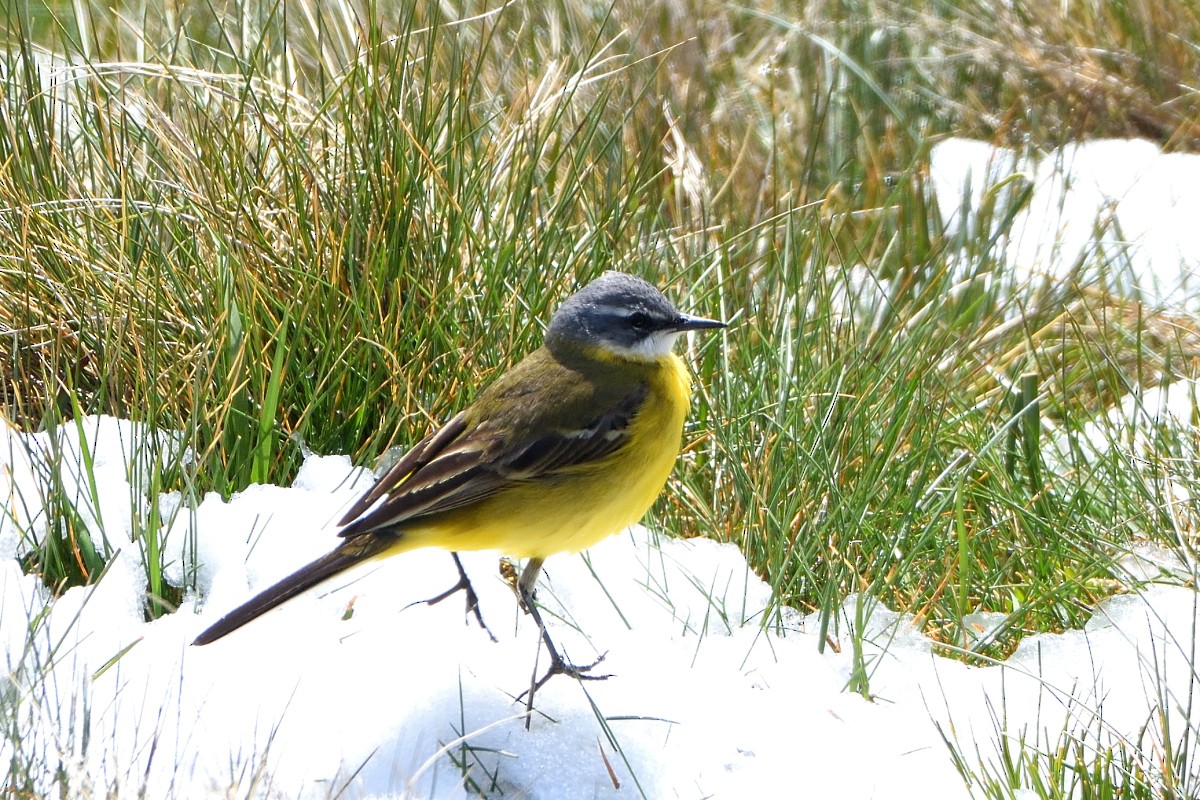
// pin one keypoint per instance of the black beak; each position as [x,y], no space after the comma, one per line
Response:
[686,322]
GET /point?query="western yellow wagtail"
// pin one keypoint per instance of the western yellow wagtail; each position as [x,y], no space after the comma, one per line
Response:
[571,445]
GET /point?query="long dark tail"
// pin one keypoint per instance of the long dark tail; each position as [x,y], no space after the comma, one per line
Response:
[353,551]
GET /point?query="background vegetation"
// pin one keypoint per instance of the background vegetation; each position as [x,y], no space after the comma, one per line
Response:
[307,225]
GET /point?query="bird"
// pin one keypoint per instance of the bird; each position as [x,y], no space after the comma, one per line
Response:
[572,444]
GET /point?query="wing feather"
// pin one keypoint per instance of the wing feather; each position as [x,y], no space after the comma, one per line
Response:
[413,461]
[460,464]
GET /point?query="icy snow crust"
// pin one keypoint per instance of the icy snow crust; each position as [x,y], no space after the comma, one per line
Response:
[704,700]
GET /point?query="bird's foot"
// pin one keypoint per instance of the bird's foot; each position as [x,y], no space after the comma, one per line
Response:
[463,585]
[558,664]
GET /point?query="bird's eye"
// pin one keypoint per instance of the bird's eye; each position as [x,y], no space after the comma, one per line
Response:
[639,321]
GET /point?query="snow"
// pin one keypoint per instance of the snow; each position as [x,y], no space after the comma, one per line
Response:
[359,690]
[704,699]
[1120,202]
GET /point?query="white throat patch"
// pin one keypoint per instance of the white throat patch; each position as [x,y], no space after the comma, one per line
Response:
[652,347]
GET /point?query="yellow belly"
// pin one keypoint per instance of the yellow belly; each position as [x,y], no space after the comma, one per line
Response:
[536,521]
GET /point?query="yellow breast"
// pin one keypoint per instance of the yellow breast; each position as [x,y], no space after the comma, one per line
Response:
[587,505]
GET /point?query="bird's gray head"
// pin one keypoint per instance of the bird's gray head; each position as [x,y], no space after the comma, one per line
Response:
[624,316]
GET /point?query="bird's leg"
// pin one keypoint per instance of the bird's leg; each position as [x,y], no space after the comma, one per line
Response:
[463,585]
[558,664]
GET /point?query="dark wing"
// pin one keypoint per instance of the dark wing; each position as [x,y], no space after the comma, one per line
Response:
[422,453]
[458,464]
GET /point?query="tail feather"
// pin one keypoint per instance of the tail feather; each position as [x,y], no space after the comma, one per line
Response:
[307,577]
